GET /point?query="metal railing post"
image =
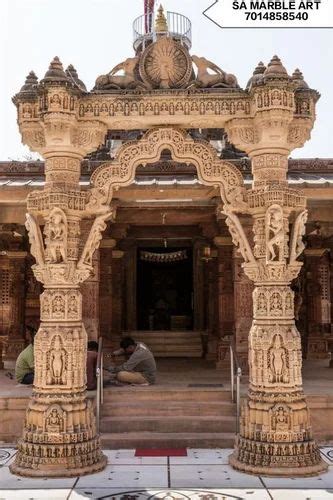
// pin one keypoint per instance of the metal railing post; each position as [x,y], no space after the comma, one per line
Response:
[232,371]
[239,374]
[99,382]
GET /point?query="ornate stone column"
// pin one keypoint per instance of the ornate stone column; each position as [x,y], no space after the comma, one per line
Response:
[225,297]
[15,341]
[59,436]
[105,288]
[275,433]
[243,289]
[318,311]
[90,290]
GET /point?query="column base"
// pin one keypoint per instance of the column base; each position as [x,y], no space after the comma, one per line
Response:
[277,464]
[79,465]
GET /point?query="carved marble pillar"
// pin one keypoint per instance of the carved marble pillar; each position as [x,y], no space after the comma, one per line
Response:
[4,294]
[59,436]
[243,289]
[15,341]
[118,292]
[318,301]
[130,285]
[225,297]
[106,299]
[198,286]
[90,290]
[275,435]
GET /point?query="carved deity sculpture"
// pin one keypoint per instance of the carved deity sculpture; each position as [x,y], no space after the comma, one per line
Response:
[274,234]
[56,236]
[35,239]
[94,239]
[126,80]
[297,244]
[219,79]
[57,362]
[281,419]
[277,357]
[55,420]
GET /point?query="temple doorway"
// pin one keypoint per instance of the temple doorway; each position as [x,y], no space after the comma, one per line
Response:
[164,289]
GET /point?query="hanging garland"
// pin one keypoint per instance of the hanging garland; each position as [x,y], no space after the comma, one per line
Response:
[163,257]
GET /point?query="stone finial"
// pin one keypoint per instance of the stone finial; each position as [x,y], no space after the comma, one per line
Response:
[275,69]
[257,76]
[298,78]
[31,82]
[161,23]
[55,72]
[73,77]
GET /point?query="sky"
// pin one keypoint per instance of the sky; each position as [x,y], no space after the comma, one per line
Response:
[95,35]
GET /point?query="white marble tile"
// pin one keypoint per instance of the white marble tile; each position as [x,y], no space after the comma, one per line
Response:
[318,482]
[6,455]
[301,494]
[38,494]
[327,454]
[127,457]
[203,456]
[211,476]
[127,476]
[10,481]
[176,494]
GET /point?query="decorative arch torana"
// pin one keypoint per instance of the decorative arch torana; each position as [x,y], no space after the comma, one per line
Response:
[211,170]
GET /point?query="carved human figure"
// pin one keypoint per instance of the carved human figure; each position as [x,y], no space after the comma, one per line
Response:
[274,233]
[277,358]
[54,421]
[94,239]
[297,244]
[219,79]
[57,359]
[56,236]
[35,239]
[72,306]
[280,419]
[238,236]
[112,80]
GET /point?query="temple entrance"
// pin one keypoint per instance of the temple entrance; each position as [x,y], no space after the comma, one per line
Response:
[164,289]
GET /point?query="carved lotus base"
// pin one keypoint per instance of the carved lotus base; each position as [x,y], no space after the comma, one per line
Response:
[58,460]
[277,459]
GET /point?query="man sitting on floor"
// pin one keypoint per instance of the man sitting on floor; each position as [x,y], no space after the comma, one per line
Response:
[140,368]
[25,366]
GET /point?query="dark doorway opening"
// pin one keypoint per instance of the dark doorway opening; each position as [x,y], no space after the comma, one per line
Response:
[165,289]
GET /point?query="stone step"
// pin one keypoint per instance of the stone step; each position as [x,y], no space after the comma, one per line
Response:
[165,408]
[156,393]
[130,440]
[168,424]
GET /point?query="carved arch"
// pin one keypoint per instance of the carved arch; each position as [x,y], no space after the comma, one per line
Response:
[183,148]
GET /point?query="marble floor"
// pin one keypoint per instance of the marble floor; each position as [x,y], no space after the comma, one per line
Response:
[202,475]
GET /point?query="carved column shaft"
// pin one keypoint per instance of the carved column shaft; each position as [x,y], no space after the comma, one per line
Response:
[318,301]
[106,299]
[15,341]
[225,297]
[59,436]
[90,290]
[275,435]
